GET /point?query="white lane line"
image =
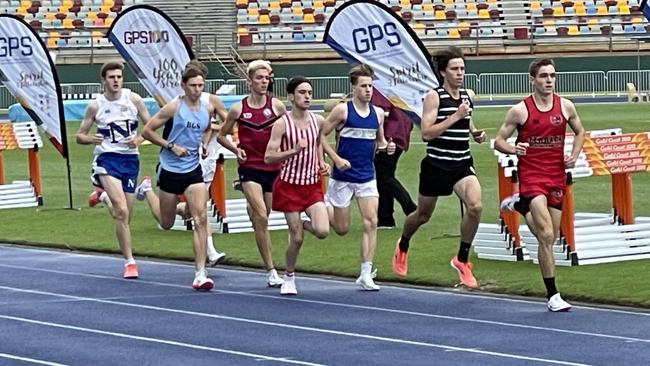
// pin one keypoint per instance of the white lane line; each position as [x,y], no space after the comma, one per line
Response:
[345,305]
[30,360]
[279,325]
[472,295]
[160,341]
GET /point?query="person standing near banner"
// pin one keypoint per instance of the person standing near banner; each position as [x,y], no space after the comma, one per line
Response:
[359,134]
[397,130]
[295,143]
[540,121]
[187,126]
[116,163]
[254,117]
[448,167]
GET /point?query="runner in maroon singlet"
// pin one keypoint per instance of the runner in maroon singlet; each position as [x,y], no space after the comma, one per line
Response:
[254,117]
[541,120]
[295,141]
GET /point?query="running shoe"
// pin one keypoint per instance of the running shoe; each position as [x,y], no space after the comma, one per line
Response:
[130,271]
[400,261]
[289,286]
[556,304]
[202,282]
[93,197]
[143,188]
[464,272]
[508,203]
[273,280]
[366,282]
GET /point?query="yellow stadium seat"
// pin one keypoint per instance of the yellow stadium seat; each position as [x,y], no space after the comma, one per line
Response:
[427,8]
[592,22]
[67,3]
[25,4]
[50,16]
[21,11]
[549,23]
[637,20]
[453,33]
[623,10]
[108,21]
[463,26]
[472,6]
[440,15]
[405,3]
[558,11]
[578,3]
[106,9]
[318,4]
[241,31]
[308,18]
[296,10]
[622,2]
[601,10]
[274,5]
[241,3]
[52,43]
[108,3]
[573,30]
[67,23]
[91,15]
[264,19]
[580,11]
[483,14]
[491,1]
[449,2]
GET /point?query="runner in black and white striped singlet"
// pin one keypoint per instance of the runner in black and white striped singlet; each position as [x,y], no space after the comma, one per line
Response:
[450,150]
[448,166]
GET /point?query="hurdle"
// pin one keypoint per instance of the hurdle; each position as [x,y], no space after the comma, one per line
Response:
[23,135]
[585,238]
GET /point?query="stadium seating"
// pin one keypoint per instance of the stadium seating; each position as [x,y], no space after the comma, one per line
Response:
[431,19]
[69,23]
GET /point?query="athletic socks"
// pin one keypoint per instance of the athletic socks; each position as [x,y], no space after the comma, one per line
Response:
[404,244]
[129,261]
[212,252]
[463,251]
[550,287]
[366,267]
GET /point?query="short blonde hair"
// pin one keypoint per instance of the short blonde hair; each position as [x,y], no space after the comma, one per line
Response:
[256,65]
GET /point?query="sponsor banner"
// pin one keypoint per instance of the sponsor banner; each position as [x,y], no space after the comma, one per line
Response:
[28,72]
[155,49]
[368,32]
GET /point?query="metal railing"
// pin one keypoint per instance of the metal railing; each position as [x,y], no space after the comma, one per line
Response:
[488,85]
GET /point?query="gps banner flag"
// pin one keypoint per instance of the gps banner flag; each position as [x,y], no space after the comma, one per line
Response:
[27,71]
[154,47]
[365,31]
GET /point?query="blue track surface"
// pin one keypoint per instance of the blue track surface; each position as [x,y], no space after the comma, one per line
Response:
[61,308]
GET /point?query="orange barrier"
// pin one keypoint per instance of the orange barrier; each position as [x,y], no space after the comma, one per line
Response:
[24,136]
[218,187]
[509,220]
[567,231]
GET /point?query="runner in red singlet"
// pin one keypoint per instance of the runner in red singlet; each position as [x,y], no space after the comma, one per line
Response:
[254,117]
[541,120]
[295,142]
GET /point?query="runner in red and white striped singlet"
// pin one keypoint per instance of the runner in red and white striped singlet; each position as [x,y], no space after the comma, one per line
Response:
[295,141]
[301,169]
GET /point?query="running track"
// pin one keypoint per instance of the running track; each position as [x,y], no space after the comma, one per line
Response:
[63,308]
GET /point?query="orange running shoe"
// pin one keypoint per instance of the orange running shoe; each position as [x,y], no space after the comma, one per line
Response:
[464,272]
[93,197]
[400,261]
[131,271]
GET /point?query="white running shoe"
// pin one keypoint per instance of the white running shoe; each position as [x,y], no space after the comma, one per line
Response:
[273,280]
[508,203]
[555,304]
[366,282]
[143,188]
[215,258]
[289,286]
[202,282]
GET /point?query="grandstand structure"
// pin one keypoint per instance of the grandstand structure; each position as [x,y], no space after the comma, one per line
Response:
[233,31]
